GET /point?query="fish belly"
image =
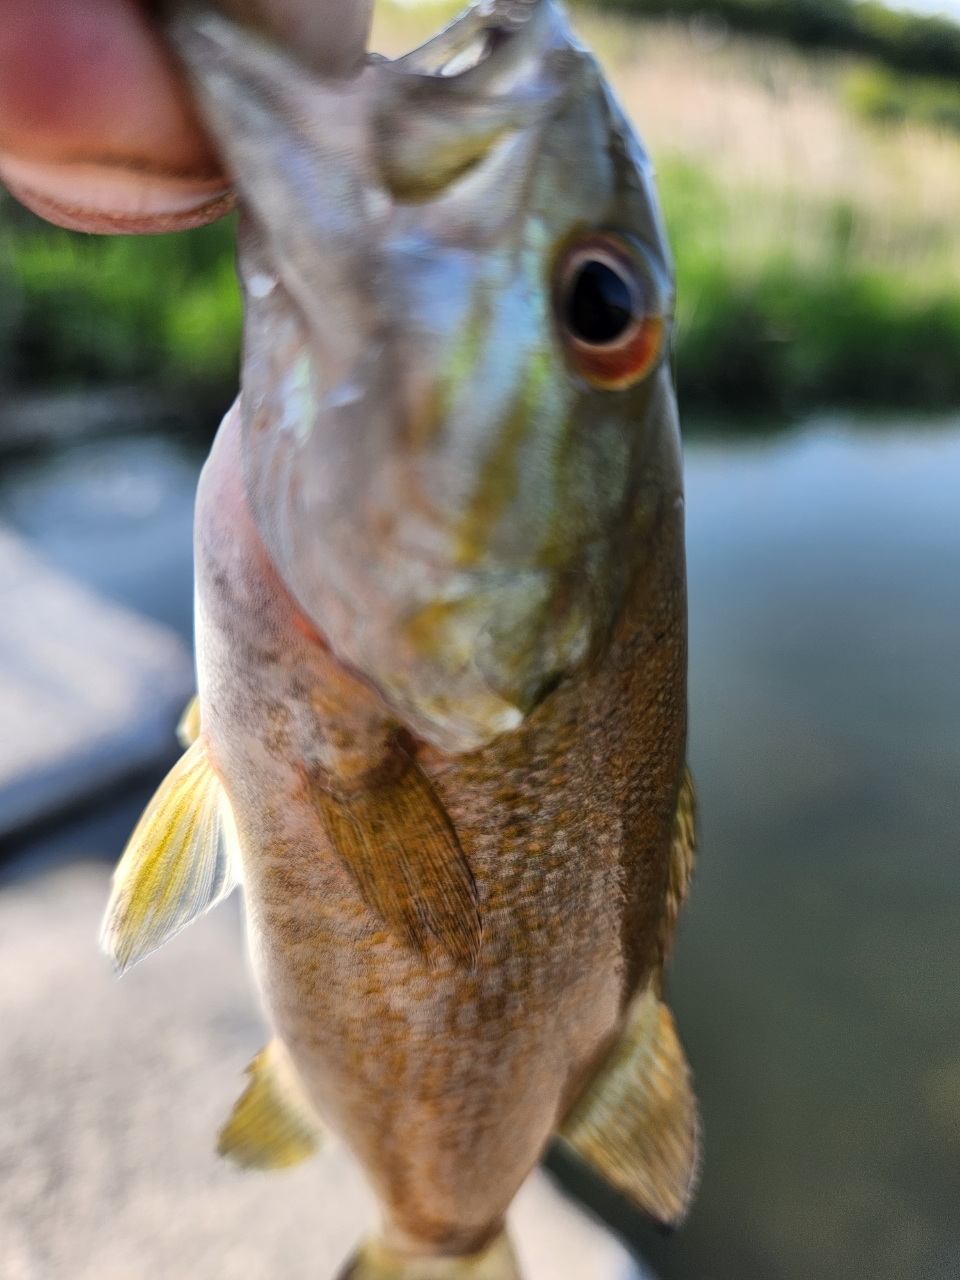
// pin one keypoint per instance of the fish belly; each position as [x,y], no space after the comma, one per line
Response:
[445,1080]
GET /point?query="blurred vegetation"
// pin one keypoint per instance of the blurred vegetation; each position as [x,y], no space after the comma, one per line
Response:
[78,309]
[924,45]
[881,95]
[811,206]
[784,325]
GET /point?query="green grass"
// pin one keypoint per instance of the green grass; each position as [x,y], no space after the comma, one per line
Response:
[787,325]
[881,95]
[81,309]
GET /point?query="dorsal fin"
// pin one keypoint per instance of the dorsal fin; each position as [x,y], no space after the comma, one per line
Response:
[398,842]
[683,849]
[181,860]
[273,1125]
[637,1122]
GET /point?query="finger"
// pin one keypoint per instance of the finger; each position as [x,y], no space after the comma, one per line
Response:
[97,127]
[97,130]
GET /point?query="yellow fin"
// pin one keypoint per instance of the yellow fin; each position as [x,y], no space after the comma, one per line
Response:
[683,850]
[181,860]
[273,1125]
[188,726]
[374,1261]
[399,844]
[636,1123]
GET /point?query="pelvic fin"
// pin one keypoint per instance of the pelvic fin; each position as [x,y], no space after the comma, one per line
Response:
[273,1125]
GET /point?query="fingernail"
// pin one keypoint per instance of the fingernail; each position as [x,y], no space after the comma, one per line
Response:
[112,199]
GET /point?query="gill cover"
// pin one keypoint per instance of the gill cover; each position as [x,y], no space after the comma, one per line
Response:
[453,425]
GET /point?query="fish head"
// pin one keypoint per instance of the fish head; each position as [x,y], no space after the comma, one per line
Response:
[457,411]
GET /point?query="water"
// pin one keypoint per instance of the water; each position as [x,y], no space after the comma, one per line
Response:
[817,971]
[116,513]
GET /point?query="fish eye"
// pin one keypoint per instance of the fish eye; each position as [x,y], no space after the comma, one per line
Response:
[611,325]
[599,303]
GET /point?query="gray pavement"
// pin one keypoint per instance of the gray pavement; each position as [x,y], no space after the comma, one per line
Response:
[112,1093]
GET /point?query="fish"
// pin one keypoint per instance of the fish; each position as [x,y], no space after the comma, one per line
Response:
[440,734]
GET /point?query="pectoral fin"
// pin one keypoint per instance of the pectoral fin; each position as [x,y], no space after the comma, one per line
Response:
[399,844]
[636,1124]
[181,860]
[273,1125]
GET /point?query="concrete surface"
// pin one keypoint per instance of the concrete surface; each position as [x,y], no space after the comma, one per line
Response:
[89,691]
[112,1093]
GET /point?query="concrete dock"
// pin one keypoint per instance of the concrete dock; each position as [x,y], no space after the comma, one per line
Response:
[113,1091]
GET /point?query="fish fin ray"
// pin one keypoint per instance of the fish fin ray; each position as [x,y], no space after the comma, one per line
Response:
[182,859]
[272,1125]
[373,1261]
[397,840]
[188,726]
[637,1122]
[683,850]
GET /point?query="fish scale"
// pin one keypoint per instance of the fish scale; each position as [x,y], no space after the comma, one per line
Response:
[452,785]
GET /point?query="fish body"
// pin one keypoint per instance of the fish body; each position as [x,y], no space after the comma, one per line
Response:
[441,632]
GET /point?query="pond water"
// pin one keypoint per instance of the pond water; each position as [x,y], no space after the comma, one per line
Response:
[816,977]
[817,971]
[116,513]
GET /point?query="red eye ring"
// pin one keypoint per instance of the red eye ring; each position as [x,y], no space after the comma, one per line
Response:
[611,325]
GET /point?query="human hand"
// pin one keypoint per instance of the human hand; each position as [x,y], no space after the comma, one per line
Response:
[98,131]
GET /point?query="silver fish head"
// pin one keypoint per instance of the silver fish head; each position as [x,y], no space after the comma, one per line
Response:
[458,417]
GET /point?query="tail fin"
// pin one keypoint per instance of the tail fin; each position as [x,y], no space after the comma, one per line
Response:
[374,1261]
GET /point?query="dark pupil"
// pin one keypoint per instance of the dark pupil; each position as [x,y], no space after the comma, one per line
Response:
[600,306]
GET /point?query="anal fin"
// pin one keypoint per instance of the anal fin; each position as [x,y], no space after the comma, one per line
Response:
[182,859]
[637,1124]
[397,840]
[273,1125]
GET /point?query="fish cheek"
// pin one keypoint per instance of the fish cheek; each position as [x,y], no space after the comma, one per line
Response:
[550,623]
[428,422]
[609,495]
[500,480]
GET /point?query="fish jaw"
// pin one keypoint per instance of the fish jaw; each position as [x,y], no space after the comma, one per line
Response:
[453,506]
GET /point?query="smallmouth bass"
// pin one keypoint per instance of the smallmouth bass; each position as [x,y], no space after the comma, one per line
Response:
[441,634]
